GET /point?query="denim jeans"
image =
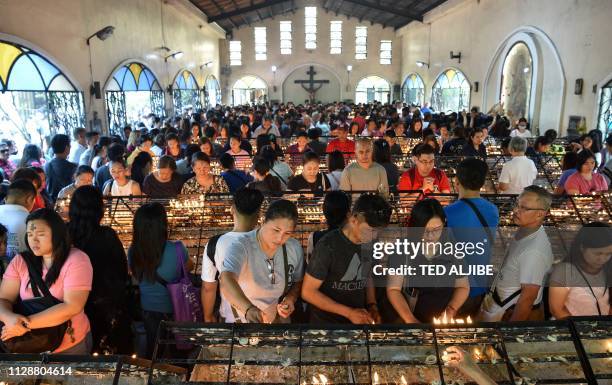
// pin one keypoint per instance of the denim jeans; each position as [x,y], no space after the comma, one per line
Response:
[152,319]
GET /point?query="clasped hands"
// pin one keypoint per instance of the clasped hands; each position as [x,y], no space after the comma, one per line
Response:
[16,325]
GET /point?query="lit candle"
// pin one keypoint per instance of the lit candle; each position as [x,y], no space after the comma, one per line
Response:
[323,379]
[444,319]
[403,380]
[375,379]
[469,320]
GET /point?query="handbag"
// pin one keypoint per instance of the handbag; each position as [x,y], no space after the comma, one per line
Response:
[185,297]
[43,339]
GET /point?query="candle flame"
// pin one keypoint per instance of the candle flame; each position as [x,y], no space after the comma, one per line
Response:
[323,379]
[315,380]
[444,319]
[403,380]
[469,319]
[375,378]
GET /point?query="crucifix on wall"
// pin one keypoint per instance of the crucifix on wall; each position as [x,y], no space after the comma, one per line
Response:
[313,85]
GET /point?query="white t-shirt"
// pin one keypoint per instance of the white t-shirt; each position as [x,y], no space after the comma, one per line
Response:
[119,191]
[525,134]
[261,130]
[209,270]
[334,179]
[76,150]
[580,300]
[529,261]
[13,217]
[519,173]
[158,151]
[244,258]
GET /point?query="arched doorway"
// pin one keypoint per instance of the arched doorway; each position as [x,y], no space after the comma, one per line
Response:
[212,93]
[604,120]
[372,88]
[37,100]
[516,82]
[132,93]
[186,93]
[451,92]
[413,90]
[249,90]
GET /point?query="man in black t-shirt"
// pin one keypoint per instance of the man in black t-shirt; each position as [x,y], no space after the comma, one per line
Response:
[338,281]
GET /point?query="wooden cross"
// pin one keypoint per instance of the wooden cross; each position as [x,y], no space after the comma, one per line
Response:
[311,84]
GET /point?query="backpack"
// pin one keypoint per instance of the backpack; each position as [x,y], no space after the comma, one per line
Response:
[211,248]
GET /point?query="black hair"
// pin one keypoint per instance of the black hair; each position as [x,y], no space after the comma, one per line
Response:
[381,151]
[472,173]
[59,143]
[314,133]
[281,209]
[150,233]
[3,234]
[335,161]
[21,189]
[77,131]
[569,160]
[374,208]
[167,161]
[28,174]
[541,141]
[261,140]
[31,153]
[248,201]
[91,134]
[171,136]
[336,207]
[424,210]
[227,161]
[583,156]
[85,212]
[310,156]
[594,235]
[84,169]
[116,152]
[138,166]
[551,135]
[200,156]
[269,154]
[262,166]
[190,150]
[421,149]
[390,133]
[144,138]
[303,134]
[60,240]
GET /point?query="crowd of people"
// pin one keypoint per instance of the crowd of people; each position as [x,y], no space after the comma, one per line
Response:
[258,272]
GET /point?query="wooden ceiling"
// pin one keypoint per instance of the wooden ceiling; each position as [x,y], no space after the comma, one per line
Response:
[230,14]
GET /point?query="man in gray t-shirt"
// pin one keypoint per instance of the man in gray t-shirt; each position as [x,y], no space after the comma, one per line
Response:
[245,259]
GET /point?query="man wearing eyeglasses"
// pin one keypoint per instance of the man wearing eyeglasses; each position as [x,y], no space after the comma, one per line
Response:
[517,294]
[424,175]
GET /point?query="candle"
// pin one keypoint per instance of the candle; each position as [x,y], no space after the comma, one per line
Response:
[403,380]
[323,379]
[375,379]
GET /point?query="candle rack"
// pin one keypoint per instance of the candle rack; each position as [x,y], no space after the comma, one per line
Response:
[571,351]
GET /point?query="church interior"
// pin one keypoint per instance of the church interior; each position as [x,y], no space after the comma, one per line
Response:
[190,191]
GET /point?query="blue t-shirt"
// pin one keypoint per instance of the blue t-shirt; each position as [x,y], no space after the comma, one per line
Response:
[153,295]
[236,179]
[466,227]
[564,175]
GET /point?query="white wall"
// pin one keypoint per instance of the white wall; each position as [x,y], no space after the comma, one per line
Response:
[59,28]
[287,64]
[573,40]
[328,93]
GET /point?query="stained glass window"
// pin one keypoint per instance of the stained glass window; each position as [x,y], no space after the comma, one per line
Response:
[186,93]
[372,88]
[413,90]
[213,92]
[37,100]
[605,110]
[132,94]
[451,92]
[249,90]
[516,80]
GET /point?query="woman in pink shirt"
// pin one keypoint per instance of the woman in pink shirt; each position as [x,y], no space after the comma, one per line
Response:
[66,271]
[585,181]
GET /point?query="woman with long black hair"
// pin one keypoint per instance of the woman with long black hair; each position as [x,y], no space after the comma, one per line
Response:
[106,305]
[66,271]
[153,262]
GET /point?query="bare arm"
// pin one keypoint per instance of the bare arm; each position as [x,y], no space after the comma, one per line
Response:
[503,186]
[9,292]
[233,292]
[556,300]
[460,294]
[136,189]
[523,306]
[74,303]
[209,296]
[397,299]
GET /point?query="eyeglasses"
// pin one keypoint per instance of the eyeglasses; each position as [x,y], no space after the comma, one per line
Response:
[270,263]
[5,151]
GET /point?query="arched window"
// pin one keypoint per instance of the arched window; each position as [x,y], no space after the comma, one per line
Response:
[516,80]
[450,92]
[186,93]
[212,93]
[604,122]
[132,93]
[249,90]
[372,88]
[413,90]
[36,99]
